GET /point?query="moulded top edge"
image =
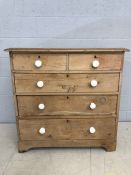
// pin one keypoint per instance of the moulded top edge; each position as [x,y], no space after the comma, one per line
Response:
[77,50]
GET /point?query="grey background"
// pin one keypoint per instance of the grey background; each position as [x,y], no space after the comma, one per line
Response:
[63,23]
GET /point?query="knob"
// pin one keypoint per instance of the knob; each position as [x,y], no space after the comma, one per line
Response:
[95,63]
[92,130]
[40,84]
[41,106]
[93,83]
[38,63]
[92,106]
[42,131]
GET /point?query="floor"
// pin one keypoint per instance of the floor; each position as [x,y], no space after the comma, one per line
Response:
[68,161]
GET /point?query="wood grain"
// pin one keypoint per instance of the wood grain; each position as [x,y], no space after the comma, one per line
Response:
[84,61]
[57,129]
[67,105]
[67,83]
[109,145]
[13,85]
[66,50]
[67,94]
[49,62]
[72,116]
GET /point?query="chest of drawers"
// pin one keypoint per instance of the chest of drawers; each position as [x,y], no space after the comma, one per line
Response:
[66,97]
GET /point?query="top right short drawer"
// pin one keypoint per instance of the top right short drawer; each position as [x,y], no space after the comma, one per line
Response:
[103,62]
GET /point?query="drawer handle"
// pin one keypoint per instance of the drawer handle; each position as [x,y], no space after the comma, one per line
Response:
[94,83]
[95,63]
[42,131]
[41,106]
[40,84]
[92,130]
[92,106]
[38,63]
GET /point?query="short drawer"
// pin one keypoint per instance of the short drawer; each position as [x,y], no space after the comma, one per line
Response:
[101,62]
[57,129]
[67,83]
[39,62]
[65,105]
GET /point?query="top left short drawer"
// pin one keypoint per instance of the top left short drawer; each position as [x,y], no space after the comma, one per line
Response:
[39,62]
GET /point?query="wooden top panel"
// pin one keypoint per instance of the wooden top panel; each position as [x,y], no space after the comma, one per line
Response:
[65,50]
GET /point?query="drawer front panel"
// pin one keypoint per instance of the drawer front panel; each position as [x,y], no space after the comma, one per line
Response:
[49,129]
[64,83]
[64,105]
[85,61]
[45,62]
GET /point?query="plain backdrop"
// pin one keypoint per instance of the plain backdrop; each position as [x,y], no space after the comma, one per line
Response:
[63,23]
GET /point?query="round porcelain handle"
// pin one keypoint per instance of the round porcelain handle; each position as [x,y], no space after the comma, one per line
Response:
[92,106]
[95,63]
[40,84]
[92,130]
[41,106]
[94,83]
[42,131]
[38,63]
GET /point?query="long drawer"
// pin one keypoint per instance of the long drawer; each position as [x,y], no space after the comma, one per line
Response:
[51,129]
[64,83]
[39,62]
[57,105]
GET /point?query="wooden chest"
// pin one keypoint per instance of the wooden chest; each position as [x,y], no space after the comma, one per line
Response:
[66,97]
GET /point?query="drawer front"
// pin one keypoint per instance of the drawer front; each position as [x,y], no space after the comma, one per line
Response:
[50,129]
[27,83]
[95,62]
[64,105]
[39,62]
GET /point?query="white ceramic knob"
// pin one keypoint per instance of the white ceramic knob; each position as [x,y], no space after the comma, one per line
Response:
[41,106]
[95,63]
[92,130]
[38,63]
[94,83]
[42,131]
[40,84]
[92,106]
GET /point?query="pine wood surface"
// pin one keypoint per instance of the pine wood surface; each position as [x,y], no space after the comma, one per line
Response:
[66,83]
[107,61]
[72,129]
[58,105]
[67,94]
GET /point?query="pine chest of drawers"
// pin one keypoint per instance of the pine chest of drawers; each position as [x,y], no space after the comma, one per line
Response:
[66,97]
